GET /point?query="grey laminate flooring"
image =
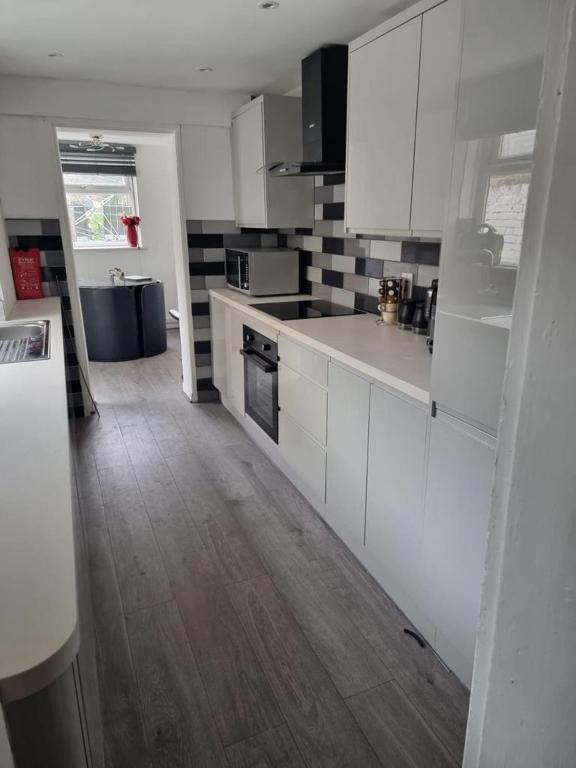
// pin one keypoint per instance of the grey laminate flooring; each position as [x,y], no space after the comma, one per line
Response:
[233,628]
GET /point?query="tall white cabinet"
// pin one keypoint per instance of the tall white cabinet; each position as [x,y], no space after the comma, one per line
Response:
[268,130]
[401,99]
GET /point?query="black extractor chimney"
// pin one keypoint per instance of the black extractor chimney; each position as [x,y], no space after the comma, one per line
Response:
[324,93]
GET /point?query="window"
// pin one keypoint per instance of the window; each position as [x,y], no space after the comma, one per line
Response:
[95,204]
[507,189]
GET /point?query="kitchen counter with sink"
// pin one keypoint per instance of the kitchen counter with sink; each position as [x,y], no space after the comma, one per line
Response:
[38,604]
[396,358]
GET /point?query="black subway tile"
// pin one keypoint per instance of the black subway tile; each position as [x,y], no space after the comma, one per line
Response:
[421,253]
[202,347]
[205,241]
[335,279]
[331,179]
[200,308]
[333,212]
[333,245]
[370,267]
[203,268]
[366,303]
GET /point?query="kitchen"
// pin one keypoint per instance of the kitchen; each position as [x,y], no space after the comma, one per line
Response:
[297,505]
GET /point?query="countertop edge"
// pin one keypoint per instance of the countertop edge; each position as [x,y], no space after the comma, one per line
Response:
[42,661]
[378,375]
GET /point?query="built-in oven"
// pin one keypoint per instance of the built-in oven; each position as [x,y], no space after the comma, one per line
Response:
[261,381]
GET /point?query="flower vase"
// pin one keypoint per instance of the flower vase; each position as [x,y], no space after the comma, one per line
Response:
[132,235]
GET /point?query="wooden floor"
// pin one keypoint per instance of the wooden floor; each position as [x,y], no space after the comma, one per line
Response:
[233,628]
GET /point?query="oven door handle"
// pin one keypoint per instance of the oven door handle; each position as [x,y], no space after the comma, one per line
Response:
[261,362]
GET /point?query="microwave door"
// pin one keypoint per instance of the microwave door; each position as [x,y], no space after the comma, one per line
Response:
[233,268]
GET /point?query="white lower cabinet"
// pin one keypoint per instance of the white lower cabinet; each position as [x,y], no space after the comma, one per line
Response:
[460,469]
[234,360]
[347,454]
[304,401]
[395,496]
[218,332]
[303,454]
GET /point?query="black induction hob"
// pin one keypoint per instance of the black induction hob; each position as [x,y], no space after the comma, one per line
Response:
[305,310]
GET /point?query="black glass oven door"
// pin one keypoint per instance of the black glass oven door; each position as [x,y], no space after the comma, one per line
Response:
[261,391]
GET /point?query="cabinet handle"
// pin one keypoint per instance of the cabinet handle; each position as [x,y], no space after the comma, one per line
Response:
[433,409]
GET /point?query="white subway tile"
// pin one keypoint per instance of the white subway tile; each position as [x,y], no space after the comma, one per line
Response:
[311,243]
[340,296]
[214,254]
[344,263]
[314,274]
[426,274]
[387,250]
[199,297]
[215,281]
[339,193]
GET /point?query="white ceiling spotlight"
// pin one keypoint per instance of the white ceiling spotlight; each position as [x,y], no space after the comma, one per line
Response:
[55,55]
[268,5]
[205,69]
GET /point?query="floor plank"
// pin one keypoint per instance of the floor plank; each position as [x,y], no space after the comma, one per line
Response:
[141,575]
[240,696]
[396,730]
[271,749]
[177,717]
[324,730]
[433,690]
[353,664]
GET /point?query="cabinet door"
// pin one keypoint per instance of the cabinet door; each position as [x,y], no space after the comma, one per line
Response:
[305,457]
[383,90]
[434,124]
[395,495]
[303,400]
[248,162]
[234,360]
[347,450]
[218,330]
[460,469]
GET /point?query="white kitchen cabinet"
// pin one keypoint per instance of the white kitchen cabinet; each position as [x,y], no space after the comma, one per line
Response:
[395,495]
[303,455]
[401,99]
[435,116]
[455,531]
[303,400]
[347,454]
[264,131]
[219,352]
[382,100]
[234,360]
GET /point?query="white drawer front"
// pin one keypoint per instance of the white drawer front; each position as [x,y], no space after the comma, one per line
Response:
[303,455]
[304,401]
[311,364]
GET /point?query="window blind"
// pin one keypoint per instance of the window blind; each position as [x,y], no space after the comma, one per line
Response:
[113,159]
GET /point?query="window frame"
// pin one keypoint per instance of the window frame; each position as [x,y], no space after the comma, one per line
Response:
[129,188]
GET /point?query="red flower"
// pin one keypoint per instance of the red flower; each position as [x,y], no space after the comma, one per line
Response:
[130,220]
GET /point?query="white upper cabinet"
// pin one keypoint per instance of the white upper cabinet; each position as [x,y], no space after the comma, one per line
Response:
[401,99]
[382,99]
[264,131]
[434,123]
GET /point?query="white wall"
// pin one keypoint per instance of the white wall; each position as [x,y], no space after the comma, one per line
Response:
[7,292]
[156,197]
[121,103]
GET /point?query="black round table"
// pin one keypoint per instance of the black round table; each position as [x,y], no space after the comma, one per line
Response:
[123,322]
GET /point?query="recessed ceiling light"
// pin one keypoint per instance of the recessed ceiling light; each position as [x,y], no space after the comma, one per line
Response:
[268,5]
[55,55]
[205,69]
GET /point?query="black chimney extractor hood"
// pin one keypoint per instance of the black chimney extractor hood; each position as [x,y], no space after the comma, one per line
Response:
[324,94]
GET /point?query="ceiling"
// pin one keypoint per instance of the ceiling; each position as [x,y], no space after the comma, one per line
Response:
[164,43]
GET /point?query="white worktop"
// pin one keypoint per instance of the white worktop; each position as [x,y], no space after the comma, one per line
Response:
[38,607]
[396,358]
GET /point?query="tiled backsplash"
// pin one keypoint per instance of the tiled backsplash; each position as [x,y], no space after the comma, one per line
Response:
[44,234]
[347,268]
[343,268]
[207,241]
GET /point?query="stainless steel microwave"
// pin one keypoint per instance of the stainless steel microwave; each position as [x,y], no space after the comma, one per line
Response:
[263,271]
